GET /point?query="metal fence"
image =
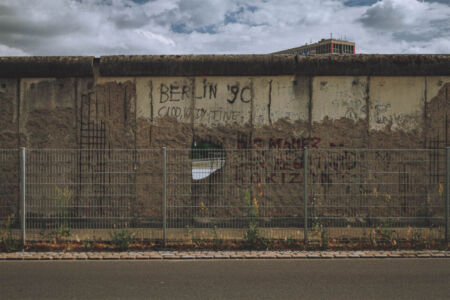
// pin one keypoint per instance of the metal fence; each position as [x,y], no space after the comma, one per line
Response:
[175,194]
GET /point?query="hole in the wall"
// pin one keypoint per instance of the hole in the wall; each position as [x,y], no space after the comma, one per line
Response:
[207,158]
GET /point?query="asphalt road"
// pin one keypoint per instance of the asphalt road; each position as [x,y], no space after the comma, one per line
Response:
[227,279]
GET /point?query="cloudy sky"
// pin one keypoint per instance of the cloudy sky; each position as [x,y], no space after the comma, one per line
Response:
[107,27]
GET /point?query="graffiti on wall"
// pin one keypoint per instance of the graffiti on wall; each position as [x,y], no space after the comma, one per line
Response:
[286,165]
[215,103]
[354,108]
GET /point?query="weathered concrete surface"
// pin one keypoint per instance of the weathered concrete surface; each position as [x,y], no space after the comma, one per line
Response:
[236,102]
[48,113]
[46,66]
[244,65]
[397,112]
[437,111]
[339,111]
[9,113]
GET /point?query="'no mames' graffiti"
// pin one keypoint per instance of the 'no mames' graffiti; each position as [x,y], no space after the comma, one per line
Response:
[286,166]
[278,168]
[295,143]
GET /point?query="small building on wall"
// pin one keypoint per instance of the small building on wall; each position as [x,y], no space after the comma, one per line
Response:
[324,46]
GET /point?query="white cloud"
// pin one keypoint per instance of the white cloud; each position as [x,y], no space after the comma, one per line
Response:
[156,37]
[103,27]
[8,51]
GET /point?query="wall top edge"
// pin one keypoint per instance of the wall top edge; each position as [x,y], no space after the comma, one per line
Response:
[46,66]
[226,65]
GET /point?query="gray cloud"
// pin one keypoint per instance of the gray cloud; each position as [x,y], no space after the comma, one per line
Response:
[412,24]
[440,1]
[383,16]
[102,27]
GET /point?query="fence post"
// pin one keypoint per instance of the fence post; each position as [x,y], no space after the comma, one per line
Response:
[305,196]
[447,194]
[164,208]
[22,193]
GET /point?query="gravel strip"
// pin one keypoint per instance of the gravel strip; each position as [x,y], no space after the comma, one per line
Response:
[197,255]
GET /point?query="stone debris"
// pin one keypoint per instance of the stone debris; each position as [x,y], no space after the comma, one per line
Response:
[195,255]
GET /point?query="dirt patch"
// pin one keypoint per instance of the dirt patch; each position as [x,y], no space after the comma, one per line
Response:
[229,245]
[437,119]
[167,132]
[8,114]
[51,129]
[342,133]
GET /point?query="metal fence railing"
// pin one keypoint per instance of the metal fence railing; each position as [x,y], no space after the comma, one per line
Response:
[400,190]
[178,194]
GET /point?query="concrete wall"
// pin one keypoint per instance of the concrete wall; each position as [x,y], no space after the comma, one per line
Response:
[152,101]
[243,102]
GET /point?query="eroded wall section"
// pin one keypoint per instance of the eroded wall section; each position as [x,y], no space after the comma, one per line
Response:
[234,112]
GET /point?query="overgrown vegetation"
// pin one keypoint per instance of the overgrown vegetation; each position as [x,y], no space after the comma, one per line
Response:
[8,241]
[384,236]
[252,235]
[122,239]
[62,201]
[217,241]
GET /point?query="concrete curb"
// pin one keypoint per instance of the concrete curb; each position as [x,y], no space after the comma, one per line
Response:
[222,255]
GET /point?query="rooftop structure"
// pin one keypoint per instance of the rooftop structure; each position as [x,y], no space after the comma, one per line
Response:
[324,46]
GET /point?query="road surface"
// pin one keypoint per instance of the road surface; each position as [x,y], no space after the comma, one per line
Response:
[227,279]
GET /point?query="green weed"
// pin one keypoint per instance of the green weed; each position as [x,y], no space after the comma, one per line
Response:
[217,241]
[252,236]
[122,239]
[8,241]
[62,201]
